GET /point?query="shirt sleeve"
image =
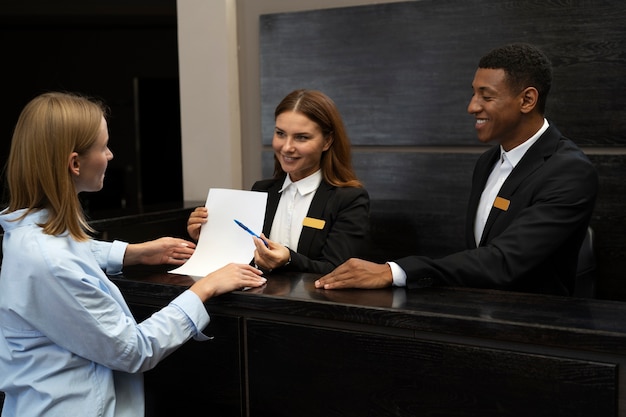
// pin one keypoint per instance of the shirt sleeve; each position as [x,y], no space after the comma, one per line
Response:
[67,297]
[191,305]
[109,255]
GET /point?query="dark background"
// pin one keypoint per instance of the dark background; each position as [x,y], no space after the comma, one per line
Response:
[123,52]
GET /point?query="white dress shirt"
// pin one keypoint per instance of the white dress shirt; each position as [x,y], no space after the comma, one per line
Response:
[295,200]
[499,174]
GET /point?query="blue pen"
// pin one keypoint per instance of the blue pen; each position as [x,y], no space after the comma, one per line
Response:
[244,227]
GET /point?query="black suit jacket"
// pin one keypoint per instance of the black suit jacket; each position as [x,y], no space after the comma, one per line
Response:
[345,211]
[533,245]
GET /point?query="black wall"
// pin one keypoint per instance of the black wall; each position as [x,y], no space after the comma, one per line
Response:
[123,52]
[401,75]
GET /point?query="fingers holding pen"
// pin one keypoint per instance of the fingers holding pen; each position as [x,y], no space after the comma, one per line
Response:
[263,244]
[262,252]
[270,255]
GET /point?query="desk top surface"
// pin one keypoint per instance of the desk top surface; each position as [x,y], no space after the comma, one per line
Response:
[587,324]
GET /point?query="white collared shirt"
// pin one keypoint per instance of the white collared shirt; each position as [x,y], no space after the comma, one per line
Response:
[295,200]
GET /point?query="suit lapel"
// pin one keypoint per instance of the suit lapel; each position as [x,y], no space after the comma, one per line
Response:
[482,175]
[273,197]
[483,169]
[532,160]
[316,211]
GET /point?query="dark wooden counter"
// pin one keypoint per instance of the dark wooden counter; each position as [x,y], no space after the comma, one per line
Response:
[290,349]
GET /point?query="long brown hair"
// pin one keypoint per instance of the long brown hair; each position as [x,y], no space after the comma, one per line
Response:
[49,129]
[336,163]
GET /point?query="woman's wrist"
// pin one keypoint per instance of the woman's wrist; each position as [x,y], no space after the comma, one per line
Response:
[289,257]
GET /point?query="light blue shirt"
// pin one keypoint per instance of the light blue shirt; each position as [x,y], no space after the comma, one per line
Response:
[69,345]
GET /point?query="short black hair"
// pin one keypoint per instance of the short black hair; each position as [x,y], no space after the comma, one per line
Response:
[525,66]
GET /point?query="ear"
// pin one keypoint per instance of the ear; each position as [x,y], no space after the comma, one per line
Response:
[328,140]
[74,164]
[529,98]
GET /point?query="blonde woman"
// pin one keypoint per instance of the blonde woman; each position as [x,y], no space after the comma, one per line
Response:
[69,345]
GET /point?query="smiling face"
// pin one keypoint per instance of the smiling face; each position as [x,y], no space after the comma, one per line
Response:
[499,111]
[298,144]
[89,168]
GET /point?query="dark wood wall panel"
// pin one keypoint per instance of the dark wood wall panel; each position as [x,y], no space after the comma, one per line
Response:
[414,208]
[401,76]
[401,73]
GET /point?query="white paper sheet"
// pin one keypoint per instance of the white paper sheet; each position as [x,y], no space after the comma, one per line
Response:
[222,241]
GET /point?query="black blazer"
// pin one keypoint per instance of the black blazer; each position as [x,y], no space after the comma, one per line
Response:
[533,245]
[345,211]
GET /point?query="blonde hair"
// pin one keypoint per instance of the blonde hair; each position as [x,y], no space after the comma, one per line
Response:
[336,162]
[49,129]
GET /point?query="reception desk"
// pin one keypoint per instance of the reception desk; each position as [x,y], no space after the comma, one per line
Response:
[289,349]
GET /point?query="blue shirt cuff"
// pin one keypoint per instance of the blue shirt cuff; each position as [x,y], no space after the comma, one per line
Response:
[190,304]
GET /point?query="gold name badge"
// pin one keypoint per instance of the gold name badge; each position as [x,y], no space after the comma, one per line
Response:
[501,203]
[314,223]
